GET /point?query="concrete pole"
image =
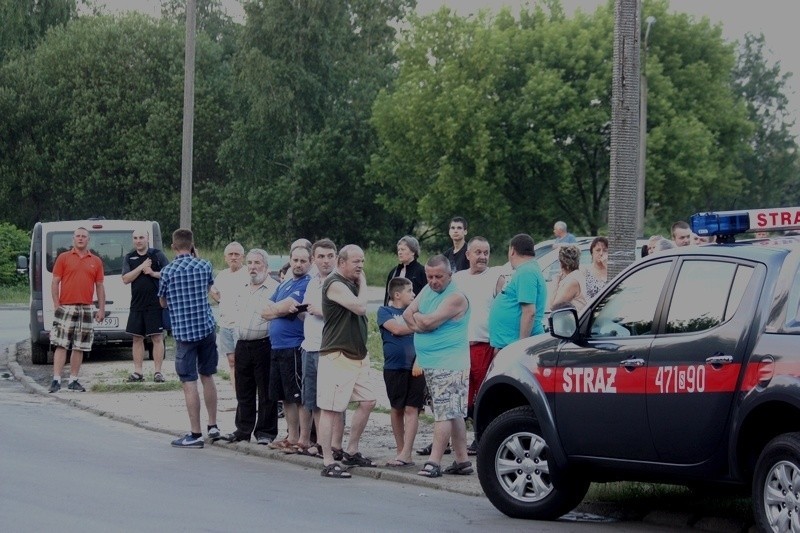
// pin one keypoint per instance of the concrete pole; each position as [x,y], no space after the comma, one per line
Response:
[188,117]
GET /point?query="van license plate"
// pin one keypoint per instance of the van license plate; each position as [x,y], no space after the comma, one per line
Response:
[110,322]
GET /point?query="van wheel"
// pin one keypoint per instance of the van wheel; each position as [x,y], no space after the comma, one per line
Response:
[39,353]
[516,470]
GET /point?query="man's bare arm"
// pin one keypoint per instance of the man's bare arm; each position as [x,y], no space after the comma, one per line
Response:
[339,293]
[454,306]
[54,291]
[408,315]
[526,321]
[101,301]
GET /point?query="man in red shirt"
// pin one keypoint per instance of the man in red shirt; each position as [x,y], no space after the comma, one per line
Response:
[77,274]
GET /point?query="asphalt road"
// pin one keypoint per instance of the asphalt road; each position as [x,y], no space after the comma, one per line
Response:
[63,469]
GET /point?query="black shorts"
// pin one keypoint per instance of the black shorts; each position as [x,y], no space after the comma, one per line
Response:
[403,389]
[286,375]
[145,323]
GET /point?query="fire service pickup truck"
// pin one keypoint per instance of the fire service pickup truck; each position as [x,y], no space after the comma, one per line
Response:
[684,369]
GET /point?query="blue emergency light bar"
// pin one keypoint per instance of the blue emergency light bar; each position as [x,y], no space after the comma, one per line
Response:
[720,223]
[730,223]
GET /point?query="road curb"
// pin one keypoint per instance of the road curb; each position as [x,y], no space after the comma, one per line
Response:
[408,477]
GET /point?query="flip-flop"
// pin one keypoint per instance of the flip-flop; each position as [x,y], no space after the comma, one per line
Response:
[399,463]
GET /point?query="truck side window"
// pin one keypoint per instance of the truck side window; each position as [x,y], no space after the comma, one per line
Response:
[793,304]
[707,293]
[629,309]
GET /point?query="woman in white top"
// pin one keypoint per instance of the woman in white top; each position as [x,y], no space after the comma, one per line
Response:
[597,271]
[569,287]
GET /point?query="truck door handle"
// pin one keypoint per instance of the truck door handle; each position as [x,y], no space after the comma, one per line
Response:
[719,360]
[636,362]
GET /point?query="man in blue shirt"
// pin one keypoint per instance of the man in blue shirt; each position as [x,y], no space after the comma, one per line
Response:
[562,236]
[184,287]
[286,334]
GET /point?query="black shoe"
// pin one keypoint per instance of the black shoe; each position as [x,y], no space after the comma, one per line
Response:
[55,386]
[472,449]
[76,387]
[233,437]
[427,450]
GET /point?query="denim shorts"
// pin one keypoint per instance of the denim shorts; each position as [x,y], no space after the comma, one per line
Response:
[198,357]
[310,365]
[226,340]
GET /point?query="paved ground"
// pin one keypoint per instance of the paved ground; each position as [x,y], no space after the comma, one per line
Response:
[165,412]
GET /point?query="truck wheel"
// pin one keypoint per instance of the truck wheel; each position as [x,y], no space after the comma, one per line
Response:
[514,469]
[776,485]
[39,353]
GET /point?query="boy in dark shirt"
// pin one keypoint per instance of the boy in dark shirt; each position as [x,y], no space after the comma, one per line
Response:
[405,384]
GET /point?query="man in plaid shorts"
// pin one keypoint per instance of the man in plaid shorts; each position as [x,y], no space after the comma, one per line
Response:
[77,275]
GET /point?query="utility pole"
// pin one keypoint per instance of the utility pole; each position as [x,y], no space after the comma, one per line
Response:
[624,136]
[188,116]
[649,21]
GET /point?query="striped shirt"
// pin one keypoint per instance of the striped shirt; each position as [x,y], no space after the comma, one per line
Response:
[184,284]
[252,326]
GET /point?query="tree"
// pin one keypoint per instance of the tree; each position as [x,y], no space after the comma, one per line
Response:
[26,21]
[95,121]
[307,73]
[507,120]
[770,166]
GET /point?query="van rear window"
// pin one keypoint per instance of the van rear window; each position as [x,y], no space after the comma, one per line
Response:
[109,246]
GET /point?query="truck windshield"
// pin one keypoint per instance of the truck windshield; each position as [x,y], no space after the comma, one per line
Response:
[109,246]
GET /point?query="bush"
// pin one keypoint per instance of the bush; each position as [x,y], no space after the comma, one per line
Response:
[13,242]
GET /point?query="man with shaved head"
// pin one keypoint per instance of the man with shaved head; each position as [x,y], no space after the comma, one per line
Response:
[141,268]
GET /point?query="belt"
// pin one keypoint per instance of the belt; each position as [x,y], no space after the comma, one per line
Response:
[255,340]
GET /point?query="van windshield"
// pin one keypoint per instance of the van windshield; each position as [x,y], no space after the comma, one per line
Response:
[109,246]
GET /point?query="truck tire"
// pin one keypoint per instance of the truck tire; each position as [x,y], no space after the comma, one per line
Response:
[39,353]
[514,469]
[776,485]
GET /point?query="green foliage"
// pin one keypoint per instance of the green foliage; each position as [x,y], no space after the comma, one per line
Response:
[13,243]
[506,121]
[24,22]
[95,120]
[307,73]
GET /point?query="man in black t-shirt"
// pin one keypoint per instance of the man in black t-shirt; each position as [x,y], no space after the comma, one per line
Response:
[457,255]
[141,269]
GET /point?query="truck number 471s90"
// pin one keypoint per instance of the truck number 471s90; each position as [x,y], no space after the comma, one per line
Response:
[680,379]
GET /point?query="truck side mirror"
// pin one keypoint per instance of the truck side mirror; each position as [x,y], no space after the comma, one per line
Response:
[22,265]
[564,323]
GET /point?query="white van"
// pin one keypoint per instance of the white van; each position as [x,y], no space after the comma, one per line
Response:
[110,240]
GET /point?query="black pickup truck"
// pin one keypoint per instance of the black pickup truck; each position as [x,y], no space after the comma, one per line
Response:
[685,369]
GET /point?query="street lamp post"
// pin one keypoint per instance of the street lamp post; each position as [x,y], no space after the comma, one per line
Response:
[642,131]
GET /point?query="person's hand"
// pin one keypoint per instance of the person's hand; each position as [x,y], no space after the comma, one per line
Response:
[416,370]
[147,266]
[99,315]
[314,310]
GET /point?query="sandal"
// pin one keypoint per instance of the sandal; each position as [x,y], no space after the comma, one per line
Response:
[335,470]
[427,450]
[430,469]
[135,377]
[338,454]
[459,469]
[312,450]
[357,460]
[158,377]
[282,446]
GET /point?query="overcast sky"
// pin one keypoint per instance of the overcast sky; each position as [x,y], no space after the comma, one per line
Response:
[773,18]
